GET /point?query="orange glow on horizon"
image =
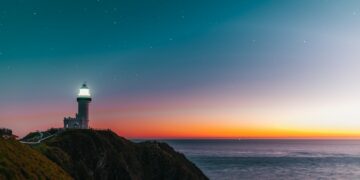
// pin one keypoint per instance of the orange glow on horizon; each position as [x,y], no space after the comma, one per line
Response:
[161,120]
[147,129]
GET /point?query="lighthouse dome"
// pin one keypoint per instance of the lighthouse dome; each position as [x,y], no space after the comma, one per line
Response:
[84,91]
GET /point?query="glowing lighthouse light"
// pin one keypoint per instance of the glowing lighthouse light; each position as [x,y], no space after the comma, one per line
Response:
[84,91]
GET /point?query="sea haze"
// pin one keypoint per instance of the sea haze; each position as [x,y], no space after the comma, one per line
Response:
[273,159]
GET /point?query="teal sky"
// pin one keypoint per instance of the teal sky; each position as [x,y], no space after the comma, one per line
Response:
[205,55]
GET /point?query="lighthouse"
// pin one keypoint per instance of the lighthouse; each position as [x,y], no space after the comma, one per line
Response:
[84,99]
[81,120]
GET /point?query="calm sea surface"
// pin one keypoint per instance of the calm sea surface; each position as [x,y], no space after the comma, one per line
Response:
[273,159]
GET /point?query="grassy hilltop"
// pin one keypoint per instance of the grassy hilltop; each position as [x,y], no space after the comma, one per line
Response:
[101,154]
[19,161]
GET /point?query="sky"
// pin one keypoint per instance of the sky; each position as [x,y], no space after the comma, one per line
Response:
[184,69]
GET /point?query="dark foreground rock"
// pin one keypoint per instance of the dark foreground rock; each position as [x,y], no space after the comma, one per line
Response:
[101,154]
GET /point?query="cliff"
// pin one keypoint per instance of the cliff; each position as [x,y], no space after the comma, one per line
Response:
[19,161]
[101,154]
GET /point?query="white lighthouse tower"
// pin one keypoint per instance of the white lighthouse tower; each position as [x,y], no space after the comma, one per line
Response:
[81,120]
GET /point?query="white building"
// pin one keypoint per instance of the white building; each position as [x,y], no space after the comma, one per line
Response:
[81,120]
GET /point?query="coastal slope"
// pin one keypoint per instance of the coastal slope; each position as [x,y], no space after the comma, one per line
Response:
[101,154]
[19,161]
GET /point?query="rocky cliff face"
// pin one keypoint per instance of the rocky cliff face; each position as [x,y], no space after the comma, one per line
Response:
[91,154]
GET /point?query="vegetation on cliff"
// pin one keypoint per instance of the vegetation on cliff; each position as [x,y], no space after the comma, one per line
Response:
[19,161]
[101,154]
[91,154]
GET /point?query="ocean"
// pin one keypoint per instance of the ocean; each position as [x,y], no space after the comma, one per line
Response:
[273,159]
